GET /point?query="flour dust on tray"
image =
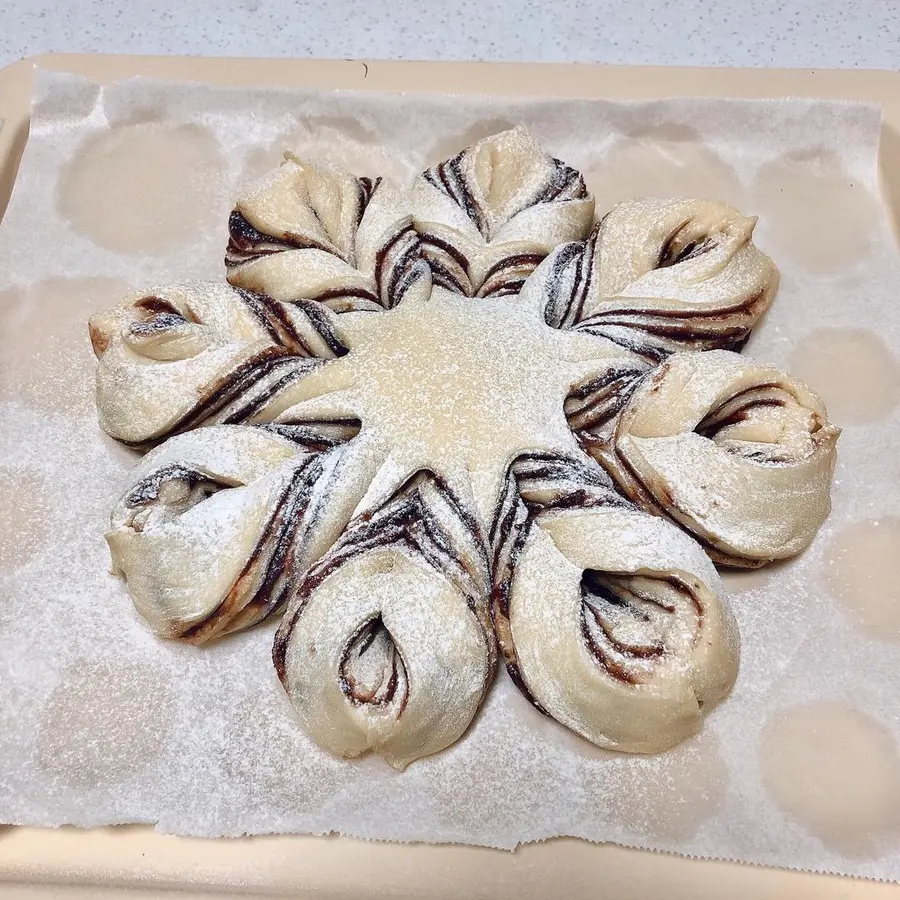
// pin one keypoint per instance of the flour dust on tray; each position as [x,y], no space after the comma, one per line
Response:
[458,424]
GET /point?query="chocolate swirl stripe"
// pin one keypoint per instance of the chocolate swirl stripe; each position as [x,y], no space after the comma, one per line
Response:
[633,341]
[367,187]
[400,603]
[565,183]
[188,478]
[322,324]
[596,402]
[316,436]
[508,275]
[246,243]
[568,273]
[449,178]
[272,316]
[267,565]
[346,299]
[161,316]
[390,684]
[618,467]
[599,598]
[395,266]
[241,394]
[606,599]
[449,266]
[538,483]
[509,541]
[741,408]
[535,484]
[656,335]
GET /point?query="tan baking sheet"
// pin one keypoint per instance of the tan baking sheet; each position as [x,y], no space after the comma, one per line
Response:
[439,885]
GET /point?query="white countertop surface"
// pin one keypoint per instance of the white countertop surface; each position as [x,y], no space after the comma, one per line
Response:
[773,33]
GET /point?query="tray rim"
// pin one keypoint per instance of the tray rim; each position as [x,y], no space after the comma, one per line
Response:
[126,857]
[582,80]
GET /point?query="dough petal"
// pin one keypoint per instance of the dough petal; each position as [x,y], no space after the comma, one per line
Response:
[220,524]
[490,214]
[736,452]
[387,646]
[618,628]
[658,276]
[202,353]
[316,232]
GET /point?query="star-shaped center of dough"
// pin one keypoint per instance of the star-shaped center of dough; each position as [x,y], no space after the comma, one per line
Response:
[456,386]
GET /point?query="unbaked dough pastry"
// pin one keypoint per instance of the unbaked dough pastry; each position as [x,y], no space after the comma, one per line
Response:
[429,462]
[736,452]
[315,232]
[173,358]
[659,276]
[490,214]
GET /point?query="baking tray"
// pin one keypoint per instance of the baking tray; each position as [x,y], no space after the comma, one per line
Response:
[110,862]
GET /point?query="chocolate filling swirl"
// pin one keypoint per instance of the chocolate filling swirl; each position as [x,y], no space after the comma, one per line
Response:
[242,393]
[170,492]
[624,620]
[454,178]
[372,670]
[246,243]
[519,201]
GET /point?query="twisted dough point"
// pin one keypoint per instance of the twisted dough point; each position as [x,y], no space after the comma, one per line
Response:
[387,646]
[658,276]
[737,453]
[219,524]
[318,233]
[202,353]
[490,214]
[618,629]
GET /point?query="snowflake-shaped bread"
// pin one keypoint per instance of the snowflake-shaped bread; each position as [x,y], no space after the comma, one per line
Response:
[459,423]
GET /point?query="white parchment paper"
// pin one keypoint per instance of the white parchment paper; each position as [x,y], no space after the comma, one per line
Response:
[100,722]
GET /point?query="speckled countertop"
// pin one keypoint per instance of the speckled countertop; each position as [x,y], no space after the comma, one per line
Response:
[777,33]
